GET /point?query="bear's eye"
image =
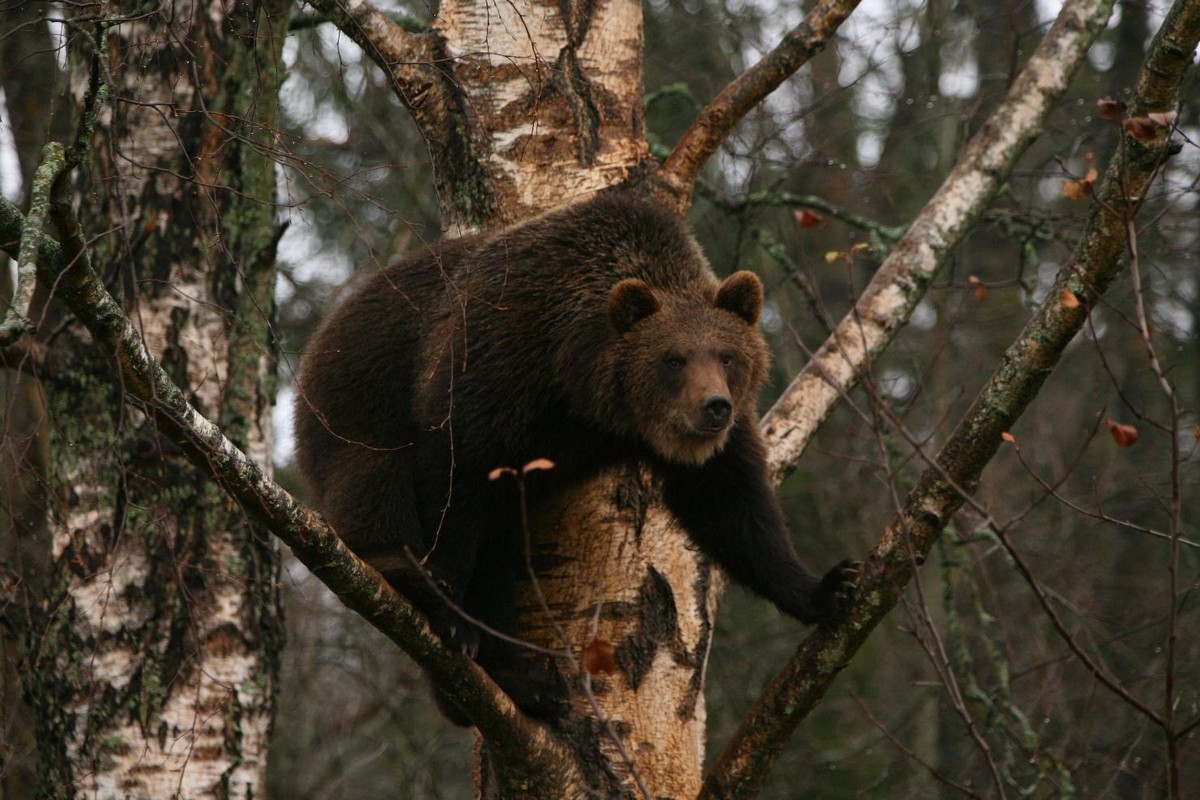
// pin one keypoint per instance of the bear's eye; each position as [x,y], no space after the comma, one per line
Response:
[726,359]
[672,361]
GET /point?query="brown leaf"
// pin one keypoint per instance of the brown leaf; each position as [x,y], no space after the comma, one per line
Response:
[1141,128]
[1123,435]
[1079,189]
[1164,118]
[598,658]
[1110,108]
[537,464]
[1068,299]
[807,219]
[500,472]
[1008,437]
[1073,190]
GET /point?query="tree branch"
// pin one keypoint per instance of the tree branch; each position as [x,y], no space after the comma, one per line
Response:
[67,267]
[16,322]
[407,58]
[900,282]
[681,169]
[940,490]
[419,69]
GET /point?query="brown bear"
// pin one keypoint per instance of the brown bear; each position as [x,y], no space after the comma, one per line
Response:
[589,335]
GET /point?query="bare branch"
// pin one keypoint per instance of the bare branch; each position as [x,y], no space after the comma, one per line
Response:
[900,282]
[712,126]
[912,754]
[906,541]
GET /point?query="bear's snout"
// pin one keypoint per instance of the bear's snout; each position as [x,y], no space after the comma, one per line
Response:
[716,411]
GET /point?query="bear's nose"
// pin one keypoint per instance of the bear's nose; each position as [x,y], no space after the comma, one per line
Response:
[717,410]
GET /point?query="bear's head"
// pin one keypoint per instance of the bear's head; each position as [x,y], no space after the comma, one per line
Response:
[690,364]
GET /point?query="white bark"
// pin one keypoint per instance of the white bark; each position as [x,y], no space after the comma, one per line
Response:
[136,726]
[898,285]
[556,101]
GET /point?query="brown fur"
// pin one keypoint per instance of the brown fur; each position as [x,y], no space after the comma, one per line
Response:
[589,335]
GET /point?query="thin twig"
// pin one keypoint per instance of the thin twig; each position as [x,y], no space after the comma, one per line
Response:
[902,280]
[908,751]
[719,117]
[740,768]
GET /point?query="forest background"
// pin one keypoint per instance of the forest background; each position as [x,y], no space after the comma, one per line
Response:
[1080,547]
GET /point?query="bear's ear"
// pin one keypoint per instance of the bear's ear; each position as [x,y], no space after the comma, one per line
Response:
[742,293]
[629,302]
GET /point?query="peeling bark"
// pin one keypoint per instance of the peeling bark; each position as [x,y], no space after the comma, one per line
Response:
[154,651]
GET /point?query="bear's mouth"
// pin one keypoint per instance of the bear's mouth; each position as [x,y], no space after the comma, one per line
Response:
[687,443]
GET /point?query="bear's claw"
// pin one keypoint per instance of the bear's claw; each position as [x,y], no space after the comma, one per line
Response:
[838,589]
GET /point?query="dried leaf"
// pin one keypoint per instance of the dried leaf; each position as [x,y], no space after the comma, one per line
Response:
[807,219]
[1079,189]
[1008,437]
[1073,190]
[1123,435]
[598,658]
[1164,118]
[500,472]
[832,256]
[1110,108]
[1141,128]
[1069,299]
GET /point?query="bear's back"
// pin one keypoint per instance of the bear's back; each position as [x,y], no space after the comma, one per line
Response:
[489,331]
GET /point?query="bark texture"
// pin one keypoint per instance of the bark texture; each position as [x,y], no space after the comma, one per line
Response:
[154,650]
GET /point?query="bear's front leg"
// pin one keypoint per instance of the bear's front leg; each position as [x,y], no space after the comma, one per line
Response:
[728,508]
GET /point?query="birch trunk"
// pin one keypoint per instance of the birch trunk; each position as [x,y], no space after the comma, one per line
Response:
[155,648]
[556,95]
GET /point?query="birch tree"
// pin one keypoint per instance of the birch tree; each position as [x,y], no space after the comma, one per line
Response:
[524,108]
[151,647]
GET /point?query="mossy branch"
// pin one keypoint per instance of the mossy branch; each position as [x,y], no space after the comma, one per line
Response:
[944,485]
[17,321]
[512,736]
